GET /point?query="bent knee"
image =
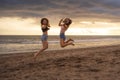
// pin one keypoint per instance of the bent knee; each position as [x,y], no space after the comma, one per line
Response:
[62,46]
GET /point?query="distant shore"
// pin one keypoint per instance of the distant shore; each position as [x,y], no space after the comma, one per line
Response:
[95,63]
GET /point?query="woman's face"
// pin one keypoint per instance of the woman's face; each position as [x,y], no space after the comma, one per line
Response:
[45,22]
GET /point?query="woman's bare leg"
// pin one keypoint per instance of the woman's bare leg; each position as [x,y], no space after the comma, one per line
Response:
[64,44]
[69,40]
[45,46]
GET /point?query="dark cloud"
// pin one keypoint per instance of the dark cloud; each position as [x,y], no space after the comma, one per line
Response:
[78,9]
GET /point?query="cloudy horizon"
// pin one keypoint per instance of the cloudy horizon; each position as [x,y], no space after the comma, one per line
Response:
[90,17]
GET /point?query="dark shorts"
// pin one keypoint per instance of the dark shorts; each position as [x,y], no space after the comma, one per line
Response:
[44,37]
[62,36]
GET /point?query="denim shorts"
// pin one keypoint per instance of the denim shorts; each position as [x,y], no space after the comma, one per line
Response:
[44,37]
[62,36]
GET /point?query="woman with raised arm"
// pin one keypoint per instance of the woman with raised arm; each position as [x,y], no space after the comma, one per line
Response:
[64,24]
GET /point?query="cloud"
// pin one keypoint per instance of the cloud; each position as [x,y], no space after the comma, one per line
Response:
[108,10]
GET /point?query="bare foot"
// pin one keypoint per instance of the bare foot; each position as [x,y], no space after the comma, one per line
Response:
[35,56]
[71,39]
[73,44]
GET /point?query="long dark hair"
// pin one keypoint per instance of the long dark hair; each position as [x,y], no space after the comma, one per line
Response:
[46,20]
[67,23]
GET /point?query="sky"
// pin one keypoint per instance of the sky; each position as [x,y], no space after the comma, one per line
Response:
[90,17]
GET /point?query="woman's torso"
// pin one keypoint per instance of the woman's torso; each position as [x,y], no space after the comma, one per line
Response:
[63,29]
[44,29]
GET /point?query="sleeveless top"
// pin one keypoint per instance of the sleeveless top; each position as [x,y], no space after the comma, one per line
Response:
[45,29]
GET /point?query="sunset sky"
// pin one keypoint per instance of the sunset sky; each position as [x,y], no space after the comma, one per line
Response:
[90,17]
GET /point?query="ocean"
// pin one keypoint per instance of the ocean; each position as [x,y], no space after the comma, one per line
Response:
[32,43]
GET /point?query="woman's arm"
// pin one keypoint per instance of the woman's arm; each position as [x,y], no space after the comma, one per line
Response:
[61,22]
[66,26]
[48,25]
[43,26]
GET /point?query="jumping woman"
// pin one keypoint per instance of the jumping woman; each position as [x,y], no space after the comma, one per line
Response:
[44,27]
[64,24]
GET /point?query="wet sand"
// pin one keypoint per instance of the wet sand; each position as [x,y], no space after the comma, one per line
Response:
[95,63]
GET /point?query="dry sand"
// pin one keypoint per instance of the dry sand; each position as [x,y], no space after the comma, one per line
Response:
[95,63]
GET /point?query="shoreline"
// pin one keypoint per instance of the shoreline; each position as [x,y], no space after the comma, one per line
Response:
[63,49]
[55,46]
